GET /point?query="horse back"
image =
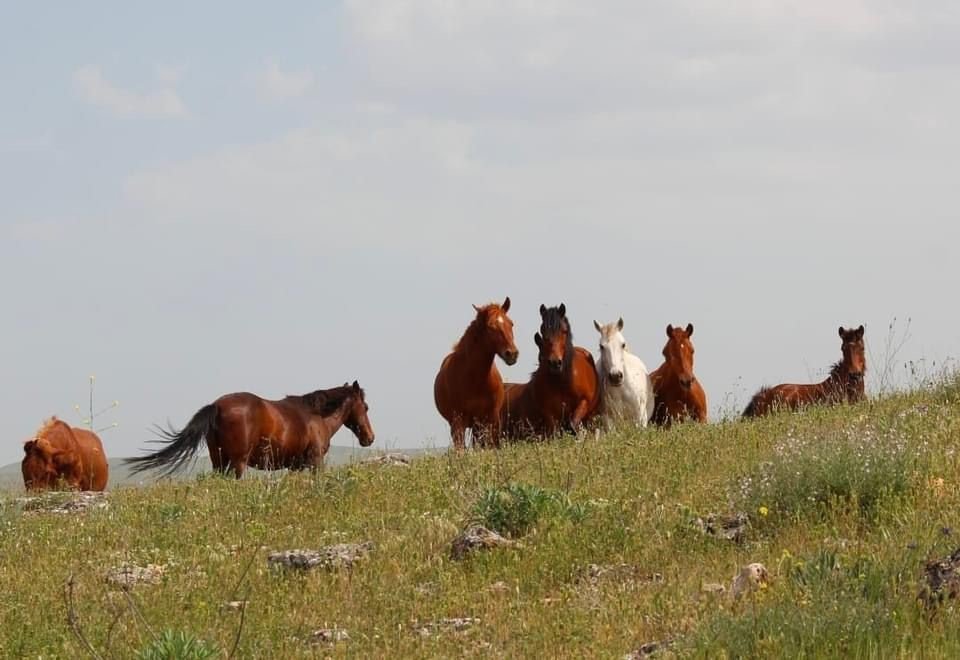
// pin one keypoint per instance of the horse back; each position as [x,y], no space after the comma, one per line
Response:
[92,458]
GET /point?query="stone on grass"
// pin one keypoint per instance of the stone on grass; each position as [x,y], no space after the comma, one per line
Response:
[333,557]
[64,502]
[941,580]
[751,577]
[478,537]
[130,575]
[329,636]
[649,649]
[454,624]
[388,460]
[728,527]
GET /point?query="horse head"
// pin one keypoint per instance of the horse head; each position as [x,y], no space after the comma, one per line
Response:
[498,330]
[357,419]
[679,353]
[612,349]
[854,357]
[555,340]
[48,457]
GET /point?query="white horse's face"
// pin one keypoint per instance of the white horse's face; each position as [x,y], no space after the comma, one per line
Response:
[612,349]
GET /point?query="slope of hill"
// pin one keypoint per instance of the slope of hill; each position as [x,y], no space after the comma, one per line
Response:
[617,549]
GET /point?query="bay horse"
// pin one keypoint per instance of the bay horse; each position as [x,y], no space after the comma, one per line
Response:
[564,391]
[242,429]
[678,394]
[60,454]
[468,389]
[626,390]
[844,383]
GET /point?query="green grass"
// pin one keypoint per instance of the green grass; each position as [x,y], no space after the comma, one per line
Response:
[845,504]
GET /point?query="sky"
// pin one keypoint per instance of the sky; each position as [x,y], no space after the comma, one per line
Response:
[207,198]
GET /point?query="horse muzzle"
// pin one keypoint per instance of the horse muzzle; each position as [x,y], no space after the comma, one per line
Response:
[615,378]
[510,357]
[556,366]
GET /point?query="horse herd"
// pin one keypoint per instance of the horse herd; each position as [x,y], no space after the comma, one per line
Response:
[568,391]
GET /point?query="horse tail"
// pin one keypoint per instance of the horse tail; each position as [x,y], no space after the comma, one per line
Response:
[180,445]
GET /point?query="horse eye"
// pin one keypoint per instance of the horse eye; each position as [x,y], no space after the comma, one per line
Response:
[623,346]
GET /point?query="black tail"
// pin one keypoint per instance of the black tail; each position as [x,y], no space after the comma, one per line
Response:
[751,409]
[181,445]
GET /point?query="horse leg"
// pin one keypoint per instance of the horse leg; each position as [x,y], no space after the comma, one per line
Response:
[219,462]
[457,433]
[238,467]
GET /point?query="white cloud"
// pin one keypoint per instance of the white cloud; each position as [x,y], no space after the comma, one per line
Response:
[275,84]
[95,89]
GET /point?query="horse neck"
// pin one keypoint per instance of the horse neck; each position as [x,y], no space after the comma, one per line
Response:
[835,384]
[335,420]
[475,350]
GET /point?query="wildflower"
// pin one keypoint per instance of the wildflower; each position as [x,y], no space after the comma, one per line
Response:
[763,511]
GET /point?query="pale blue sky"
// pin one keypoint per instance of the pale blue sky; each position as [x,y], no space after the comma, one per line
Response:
[199,199]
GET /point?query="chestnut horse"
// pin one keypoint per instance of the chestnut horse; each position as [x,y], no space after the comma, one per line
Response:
[845,382]
[243,430]
[468,390]
[678,394]
[564,391]
[63,455]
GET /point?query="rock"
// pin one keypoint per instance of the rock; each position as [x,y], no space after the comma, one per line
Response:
[65,502]
[333,557]
[498,587]
[234,605]
[329,636]
[730,527]
[751,577]
[596,573]
[129,575]
[458,624]
[649,649]
[941,579]
[388,460]
[477,537]
[712,588]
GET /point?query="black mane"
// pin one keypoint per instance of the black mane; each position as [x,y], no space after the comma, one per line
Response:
[324,402]
[554,321]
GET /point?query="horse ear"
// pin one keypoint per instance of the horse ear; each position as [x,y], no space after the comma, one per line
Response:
[356,386]
[689,329]
[543,309]
[506,304]
[563,309]
[670,330]
[597,326]
[860,332]
[842,331]
[537,339]
[475,308]
[29,446]
[620,323]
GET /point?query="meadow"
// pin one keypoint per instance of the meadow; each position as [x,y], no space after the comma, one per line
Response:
[841,505]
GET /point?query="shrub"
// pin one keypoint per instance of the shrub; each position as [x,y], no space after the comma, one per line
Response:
[178,645]
[514,509]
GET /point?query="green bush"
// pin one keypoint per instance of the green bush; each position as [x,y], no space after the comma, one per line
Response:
[514,509]
[178,645]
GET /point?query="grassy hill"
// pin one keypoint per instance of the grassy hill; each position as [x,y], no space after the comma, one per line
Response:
[842,507]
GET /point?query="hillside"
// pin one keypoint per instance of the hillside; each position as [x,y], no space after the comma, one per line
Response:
[616,548]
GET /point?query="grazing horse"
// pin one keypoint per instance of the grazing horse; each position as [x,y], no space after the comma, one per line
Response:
[625,385]
[243,430]
[563,392]
[677,391]
[468,390]
[63,455]
[845,382]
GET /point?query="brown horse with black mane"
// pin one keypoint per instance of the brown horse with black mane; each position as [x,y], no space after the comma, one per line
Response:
[468,389]
[243,430]
[678,394]
[61,455]
[564,391]
[845,382]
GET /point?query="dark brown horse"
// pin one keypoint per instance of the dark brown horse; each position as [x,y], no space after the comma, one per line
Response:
[845,382]
[61,455]
[468,390]
[564,391]
[678,394]
[244,430]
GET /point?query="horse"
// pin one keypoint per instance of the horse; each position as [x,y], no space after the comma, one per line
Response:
[63,455]
[677,392]
[844,383]
[468,389]
[564,391]
[626,390]
[242,429]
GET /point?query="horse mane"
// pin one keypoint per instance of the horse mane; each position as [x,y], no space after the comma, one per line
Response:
[476,325]
[325,402]
[47,427]
[552,323]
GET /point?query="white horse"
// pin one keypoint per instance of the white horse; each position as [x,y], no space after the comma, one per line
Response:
[624,380]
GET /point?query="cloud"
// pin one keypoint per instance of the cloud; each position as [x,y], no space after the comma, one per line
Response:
[274,84]
[95,89]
